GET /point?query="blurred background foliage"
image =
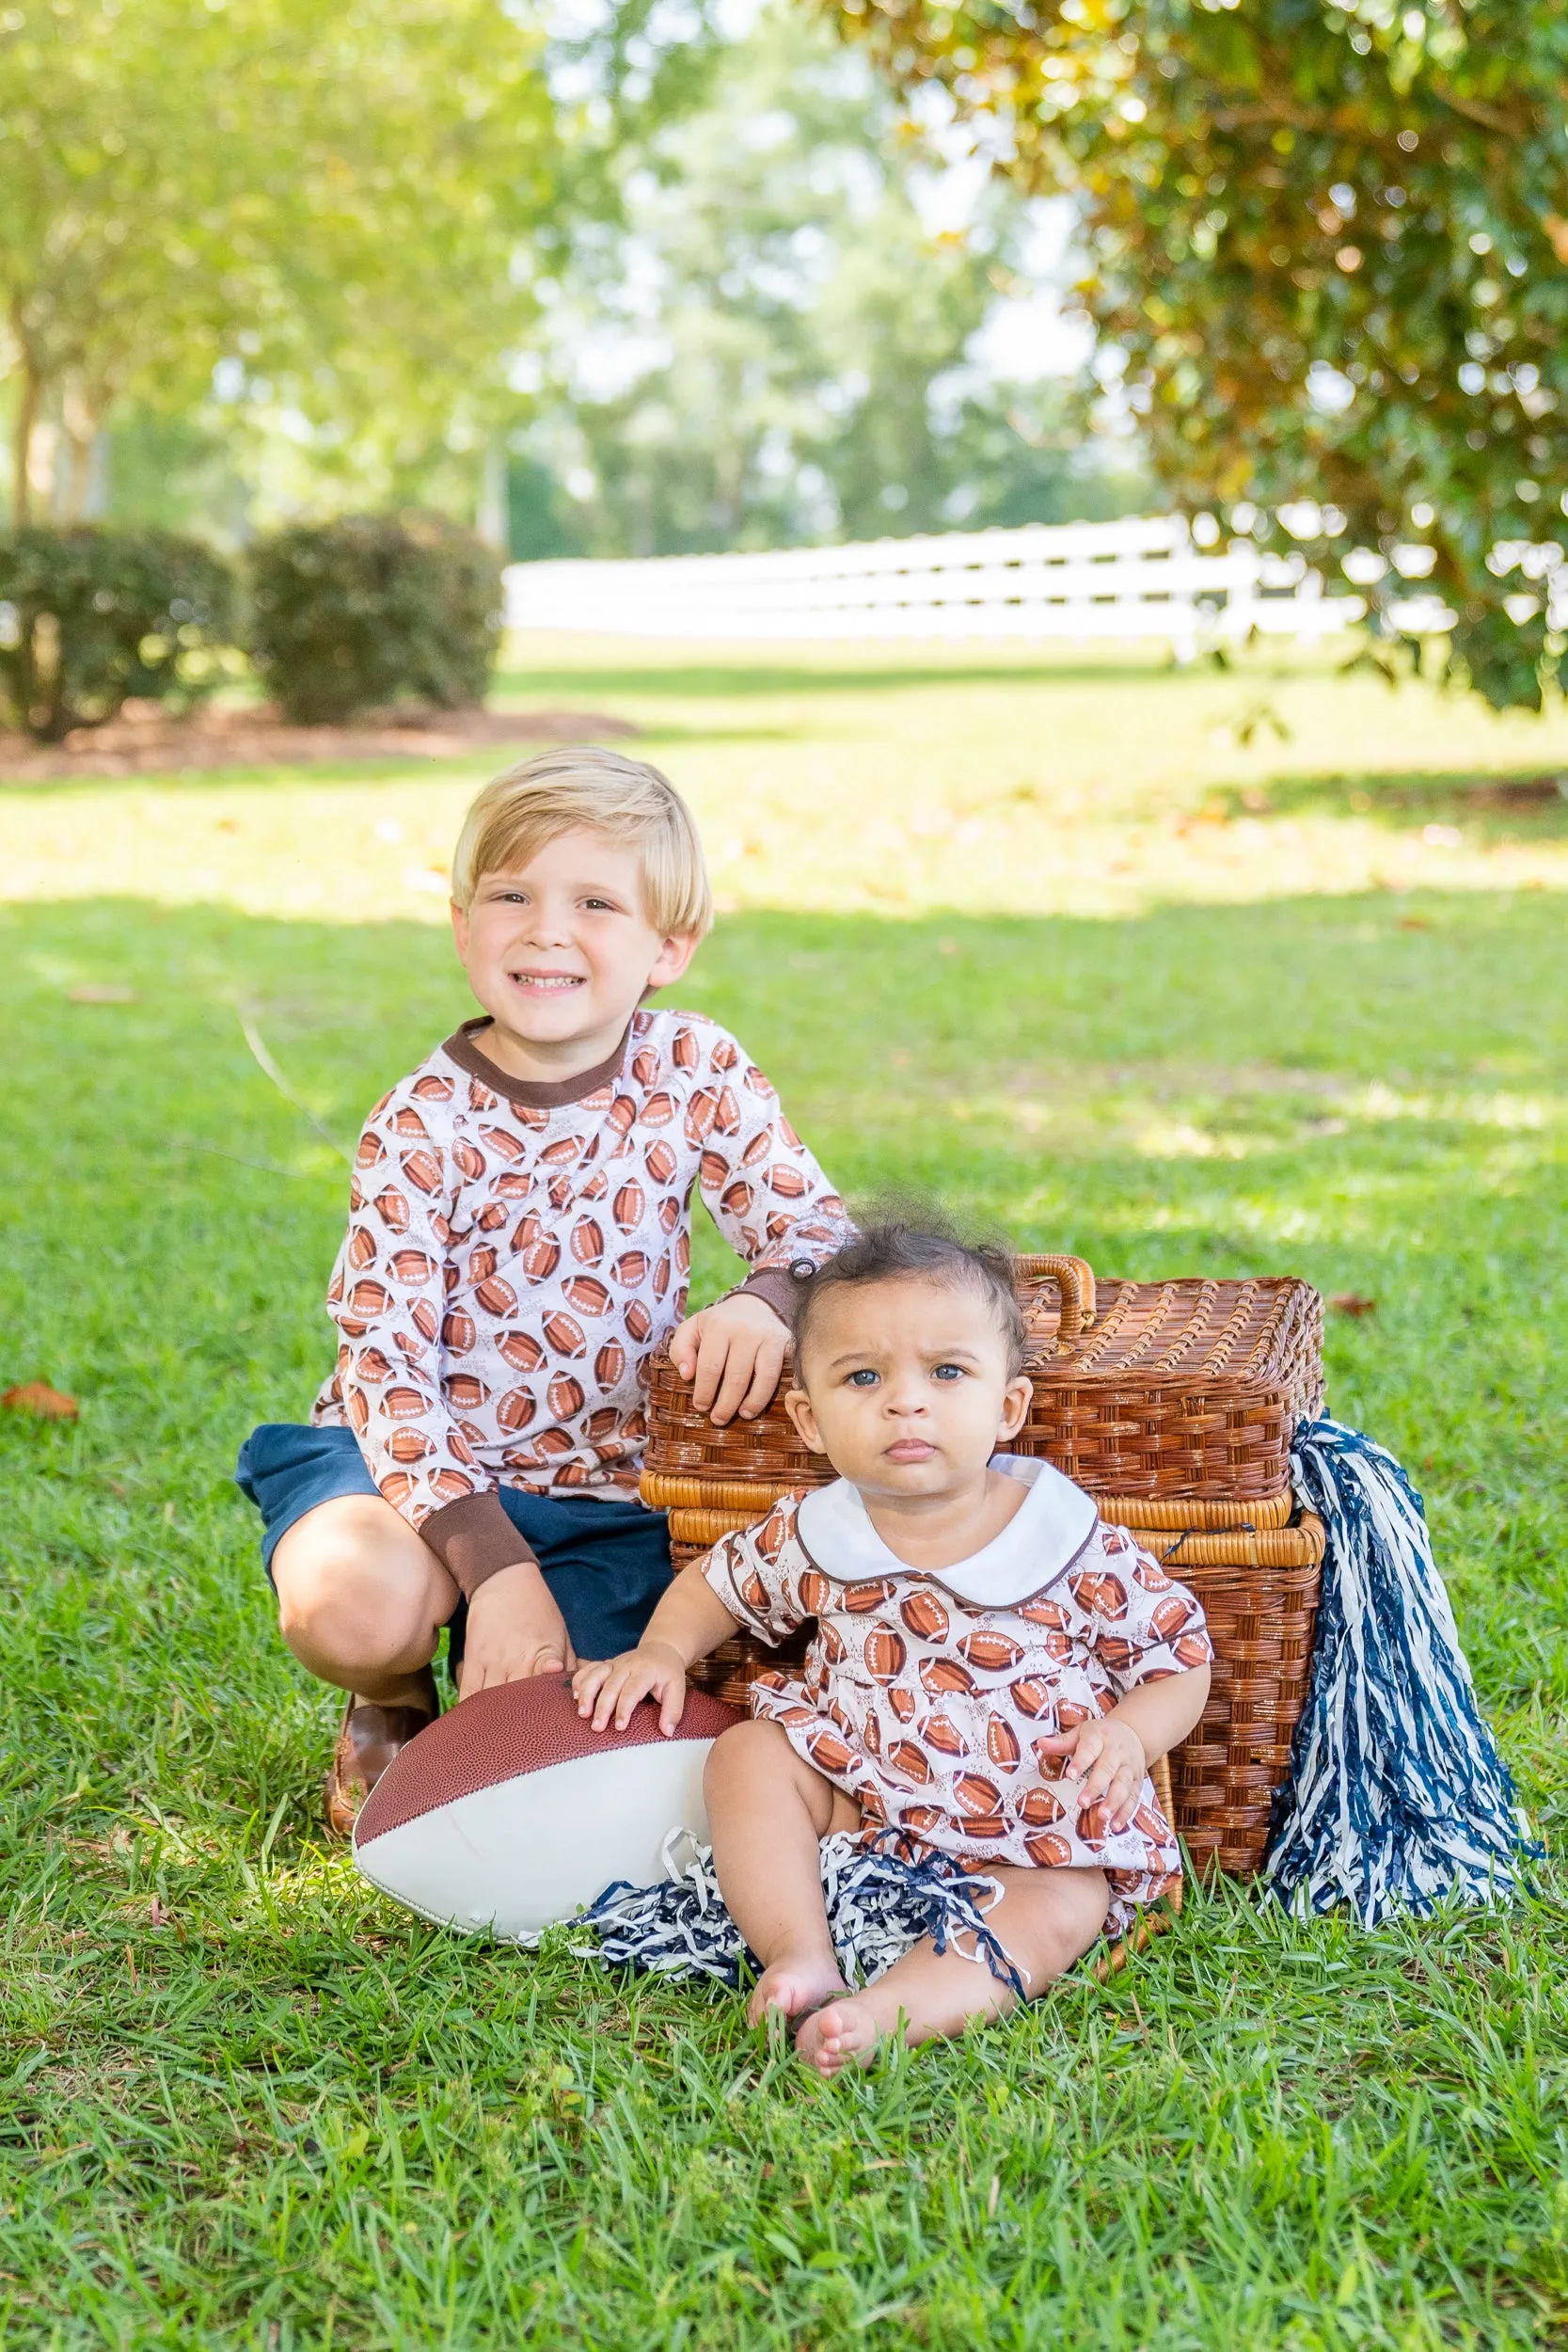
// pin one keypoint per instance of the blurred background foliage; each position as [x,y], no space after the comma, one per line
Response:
[259,218]
[616,276]
[636,282]
[781,333]
[1326,260]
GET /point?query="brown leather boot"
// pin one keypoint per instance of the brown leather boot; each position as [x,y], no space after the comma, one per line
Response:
[369,1737]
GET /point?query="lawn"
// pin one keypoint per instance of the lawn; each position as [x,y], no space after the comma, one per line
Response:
[1263,971]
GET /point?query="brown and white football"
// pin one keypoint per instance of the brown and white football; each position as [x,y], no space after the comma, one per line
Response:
[511,1812]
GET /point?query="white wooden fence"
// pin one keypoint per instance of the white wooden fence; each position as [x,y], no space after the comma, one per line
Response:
[1083,581]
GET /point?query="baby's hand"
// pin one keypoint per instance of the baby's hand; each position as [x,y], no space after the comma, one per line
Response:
[612,1686]
[1108,1758]
[733,1354]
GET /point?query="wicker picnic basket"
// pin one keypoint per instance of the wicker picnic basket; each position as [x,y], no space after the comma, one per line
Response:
[1189,1390]
[1175,1404]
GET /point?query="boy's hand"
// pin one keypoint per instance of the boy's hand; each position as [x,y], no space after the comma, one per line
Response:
[732,1355]
[515,1629]
[612,1686]
[1107,1759]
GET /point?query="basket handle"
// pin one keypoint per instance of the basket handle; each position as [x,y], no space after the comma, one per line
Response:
[1074,1279]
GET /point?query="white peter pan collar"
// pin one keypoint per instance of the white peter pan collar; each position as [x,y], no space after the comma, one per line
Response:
[1039,1543]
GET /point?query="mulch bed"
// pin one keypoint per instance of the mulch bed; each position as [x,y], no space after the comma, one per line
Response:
[1499,793]
[145,741]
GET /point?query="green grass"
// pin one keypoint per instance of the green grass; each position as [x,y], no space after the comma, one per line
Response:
[249,2102]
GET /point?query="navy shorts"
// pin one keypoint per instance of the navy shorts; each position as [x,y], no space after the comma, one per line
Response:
[605,1562]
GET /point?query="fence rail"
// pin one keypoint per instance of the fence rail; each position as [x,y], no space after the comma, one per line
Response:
[1142,578]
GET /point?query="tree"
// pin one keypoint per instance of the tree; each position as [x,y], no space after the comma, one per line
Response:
[1330,240]
[330,201]
[772,345]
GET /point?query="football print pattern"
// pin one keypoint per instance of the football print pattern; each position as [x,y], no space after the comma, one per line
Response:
[927,1710]
[508,1271]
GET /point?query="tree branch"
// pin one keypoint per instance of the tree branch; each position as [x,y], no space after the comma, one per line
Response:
[27,420]
[1282,113]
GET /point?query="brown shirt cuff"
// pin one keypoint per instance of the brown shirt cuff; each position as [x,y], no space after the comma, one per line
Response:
[474,1540]
[777,1286]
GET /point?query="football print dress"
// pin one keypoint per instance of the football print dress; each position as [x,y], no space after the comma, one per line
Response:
[924,1695]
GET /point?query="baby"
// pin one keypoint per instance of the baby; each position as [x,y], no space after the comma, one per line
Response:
[992,1674]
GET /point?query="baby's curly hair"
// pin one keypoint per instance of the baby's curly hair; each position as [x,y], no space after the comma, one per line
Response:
[916,1245]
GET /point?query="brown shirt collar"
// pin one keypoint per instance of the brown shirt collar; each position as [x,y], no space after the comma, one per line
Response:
[528,1093]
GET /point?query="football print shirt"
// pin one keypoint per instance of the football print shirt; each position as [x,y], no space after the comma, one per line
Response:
[514,1253]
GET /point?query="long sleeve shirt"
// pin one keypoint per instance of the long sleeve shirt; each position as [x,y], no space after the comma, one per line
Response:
[515,1252]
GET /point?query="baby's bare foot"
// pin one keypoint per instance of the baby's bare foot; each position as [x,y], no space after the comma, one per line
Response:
[844,2034]
[794,1981]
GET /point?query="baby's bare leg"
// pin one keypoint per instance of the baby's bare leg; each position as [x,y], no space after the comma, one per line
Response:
[1046,1918]
[767,1812]
[360,1600]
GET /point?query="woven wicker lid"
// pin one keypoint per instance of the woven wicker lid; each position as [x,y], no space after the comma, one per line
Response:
[1261,1335]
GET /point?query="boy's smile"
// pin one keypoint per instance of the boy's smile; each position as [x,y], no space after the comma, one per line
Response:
[559,952]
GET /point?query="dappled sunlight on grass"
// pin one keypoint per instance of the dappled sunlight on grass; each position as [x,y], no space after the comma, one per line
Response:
[1032,786]
[1284,1118]
[1464,1110]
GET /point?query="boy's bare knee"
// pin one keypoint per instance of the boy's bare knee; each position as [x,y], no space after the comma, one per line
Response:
[346,1599]
[346,1620]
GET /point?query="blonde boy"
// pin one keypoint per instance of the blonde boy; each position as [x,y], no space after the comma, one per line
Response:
[518,1246]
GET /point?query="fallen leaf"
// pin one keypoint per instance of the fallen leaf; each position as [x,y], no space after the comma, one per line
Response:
[36,1396]
[156,1912]
[1352,1303]
[1415,923]
[96,992]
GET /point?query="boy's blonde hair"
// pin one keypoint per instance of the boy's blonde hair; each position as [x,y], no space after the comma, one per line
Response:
[626,800]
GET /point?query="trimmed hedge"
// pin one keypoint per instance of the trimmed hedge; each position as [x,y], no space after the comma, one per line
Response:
[374,610]
[91,617]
